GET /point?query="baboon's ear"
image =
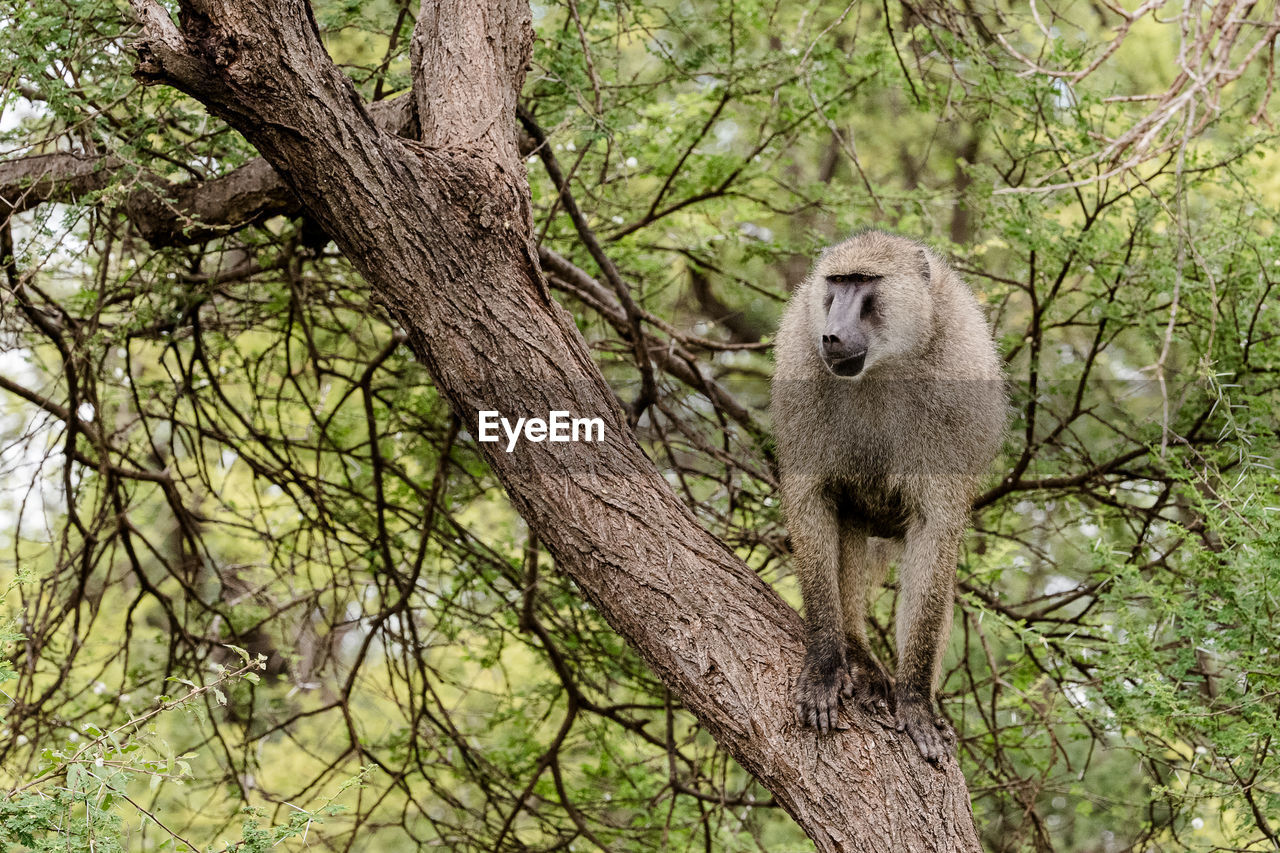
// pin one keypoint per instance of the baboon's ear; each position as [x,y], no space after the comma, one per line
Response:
[926,269]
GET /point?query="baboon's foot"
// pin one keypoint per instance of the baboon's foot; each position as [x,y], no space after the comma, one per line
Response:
[824,678]
[872,688]
[931,733]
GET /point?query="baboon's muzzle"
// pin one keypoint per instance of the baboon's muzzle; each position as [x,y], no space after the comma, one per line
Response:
[848,365]
[844,340]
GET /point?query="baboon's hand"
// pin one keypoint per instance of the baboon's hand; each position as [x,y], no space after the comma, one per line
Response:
[872,688]
[930,732]
[823,680]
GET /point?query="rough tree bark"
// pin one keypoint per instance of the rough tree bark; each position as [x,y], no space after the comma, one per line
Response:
[441,230]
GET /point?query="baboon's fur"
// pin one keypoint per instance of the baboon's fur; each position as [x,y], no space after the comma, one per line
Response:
[884,463]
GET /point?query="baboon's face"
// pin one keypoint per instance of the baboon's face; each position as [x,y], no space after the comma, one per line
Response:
[871,302]
[850,307]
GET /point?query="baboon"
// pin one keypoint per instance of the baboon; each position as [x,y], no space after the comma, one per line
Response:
[888,407]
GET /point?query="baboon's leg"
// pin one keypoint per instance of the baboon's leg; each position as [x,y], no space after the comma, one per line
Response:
[926,590]
[815,542]
[862,567]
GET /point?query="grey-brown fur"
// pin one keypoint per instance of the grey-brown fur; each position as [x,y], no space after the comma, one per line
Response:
[880,464]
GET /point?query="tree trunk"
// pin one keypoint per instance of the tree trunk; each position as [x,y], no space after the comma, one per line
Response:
[441,230]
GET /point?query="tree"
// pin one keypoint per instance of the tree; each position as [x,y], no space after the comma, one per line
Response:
[419,221]
[441,227]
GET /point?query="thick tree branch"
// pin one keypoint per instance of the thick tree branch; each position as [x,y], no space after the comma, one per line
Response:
[442,233]
[30,181]
[166,213]
[462,71]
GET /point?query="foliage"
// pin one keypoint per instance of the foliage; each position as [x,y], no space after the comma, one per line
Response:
[221,444]
[77,790]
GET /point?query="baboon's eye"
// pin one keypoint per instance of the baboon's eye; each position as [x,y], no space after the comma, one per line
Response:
[852,278]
